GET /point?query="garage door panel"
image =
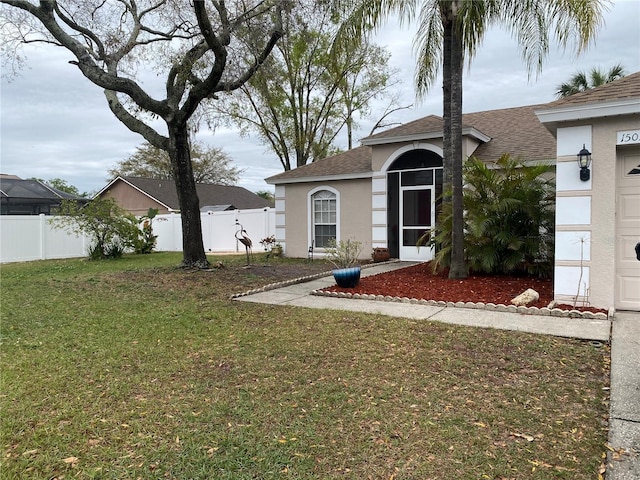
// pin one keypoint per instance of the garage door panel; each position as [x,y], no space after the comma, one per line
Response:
[626,251]
[628,292]
[627,232]
[629,205]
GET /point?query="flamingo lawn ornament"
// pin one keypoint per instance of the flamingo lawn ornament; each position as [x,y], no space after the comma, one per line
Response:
[245,240]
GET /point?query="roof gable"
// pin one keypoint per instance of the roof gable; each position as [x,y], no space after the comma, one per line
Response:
[164,192]
[620,97]
[627,87]
[354,163]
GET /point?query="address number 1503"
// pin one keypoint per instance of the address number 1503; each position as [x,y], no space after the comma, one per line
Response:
[628,137]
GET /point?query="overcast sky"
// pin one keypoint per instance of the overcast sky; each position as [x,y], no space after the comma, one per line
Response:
[56,124]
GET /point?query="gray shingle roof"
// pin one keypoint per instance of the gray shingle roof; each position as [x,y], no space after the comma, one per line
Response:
[627,87]
[165,192]
[512,130]
[356,161]
[516,131]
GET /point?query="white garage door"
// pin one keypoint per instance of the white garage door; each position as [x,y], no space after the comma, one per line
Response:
[628,231]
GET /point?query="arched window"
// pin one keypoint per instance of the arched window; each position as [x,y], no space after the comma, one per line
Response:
[324,217]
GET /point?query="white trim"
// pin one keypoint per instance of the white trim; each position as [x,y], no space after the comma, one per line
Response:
[408,148]
[566,279]
[573,245]
[568,178]
[310,194]
[323,178]
[592,110]
[470,132]
[569,140]
[573,210]
[379,201]
[379,217]
[379,184]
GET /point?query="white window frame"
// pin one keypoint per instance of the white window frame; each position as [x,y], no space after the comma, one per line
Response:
[310,215]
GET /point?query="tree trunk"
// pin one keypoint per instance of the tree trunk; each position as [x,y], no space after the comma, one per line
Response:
[447,24]
[193,255]
[458,268]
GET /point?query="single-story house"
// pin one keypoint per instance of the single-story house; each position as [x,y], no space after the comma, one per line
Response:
[383,192]
[30,197]
[137,195]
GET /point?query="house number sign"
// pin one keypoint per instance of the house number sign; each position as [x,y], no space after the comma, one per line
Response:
[628,137]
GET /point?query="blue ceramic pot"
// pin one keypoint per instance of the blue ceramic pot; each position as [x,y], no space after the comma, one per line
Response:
[347,277]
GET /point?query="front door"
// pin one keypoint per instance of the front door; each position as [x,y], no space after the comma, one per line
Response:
[628,232]
[416,221]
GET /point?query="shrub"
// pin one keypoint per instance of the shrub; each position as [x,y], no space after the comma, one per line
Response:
[145,240]
[345,253]
[112,229]
[509,218]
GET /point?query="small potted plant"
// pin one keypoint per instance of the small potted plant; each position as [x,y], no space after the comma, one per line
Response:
[344,256]
[276,249]
[271,246]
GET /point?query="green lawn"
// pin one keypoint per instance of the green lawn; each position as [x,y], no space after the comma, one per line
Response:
[135,369]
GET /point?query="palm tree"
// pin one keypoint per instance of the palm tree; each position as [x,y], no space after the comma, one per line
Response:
[450,31]
[580,81]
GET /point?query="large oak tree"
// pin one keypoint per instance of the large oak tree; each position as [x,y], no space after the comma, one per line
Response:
[198,48]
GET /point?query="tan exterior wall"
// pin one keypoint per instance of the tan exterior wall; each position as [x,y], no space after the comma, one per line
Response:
[132,200]
[354,205]
[603,209]
[381,153]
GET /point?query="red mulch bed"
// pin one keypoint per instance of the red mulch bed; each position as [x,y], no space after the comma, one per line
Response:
[418,281]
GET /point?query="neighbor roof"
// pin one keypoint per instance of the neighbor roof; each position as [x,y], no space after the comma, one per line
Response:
[16,188]
[164,192]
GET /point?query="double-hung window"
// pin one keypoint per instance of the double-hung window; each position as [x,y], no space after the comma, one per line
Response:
[324,218]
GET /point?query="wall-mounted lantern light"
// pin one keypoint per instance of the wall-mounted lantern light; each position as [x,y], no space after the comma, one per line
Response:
[584,160]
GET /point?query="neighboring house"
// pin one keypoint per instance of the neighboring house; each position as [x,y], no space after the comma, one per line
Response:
[30,197]
[138,195]
[383,193]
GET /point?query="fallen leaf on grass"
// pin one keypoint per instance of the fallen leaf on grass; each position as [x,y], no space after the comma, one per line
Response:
[528,438]
[73,461]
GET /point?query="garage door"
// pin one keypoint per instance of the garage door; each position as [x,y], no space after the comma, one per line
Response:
[628,231]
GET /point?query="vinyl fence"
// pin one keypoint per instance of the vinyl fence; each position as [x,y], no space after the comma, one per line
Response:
[28,237]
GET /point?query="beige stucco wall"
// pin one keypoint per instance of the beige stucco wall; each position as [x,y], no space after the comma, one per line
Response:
[354,211]
[131,199]
[382,153]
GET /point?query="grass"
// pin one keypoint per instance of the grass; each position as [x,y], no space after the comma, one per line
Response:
[135,369]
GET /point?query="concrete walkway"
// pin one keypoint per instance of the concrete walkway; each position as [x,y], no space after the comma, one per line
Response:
[623,462]
[624,418]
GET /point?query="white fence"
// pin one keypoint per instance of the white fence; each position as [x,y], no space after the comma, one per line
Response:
[29,237]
